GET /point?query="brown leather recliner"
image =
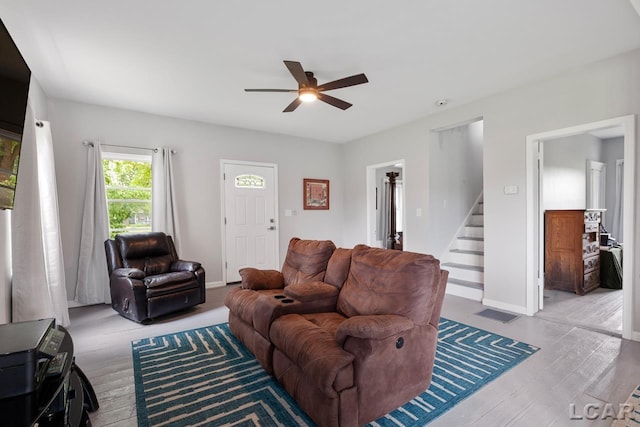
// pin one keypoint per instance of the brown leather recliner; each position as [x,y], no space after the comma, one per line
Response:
[148,280]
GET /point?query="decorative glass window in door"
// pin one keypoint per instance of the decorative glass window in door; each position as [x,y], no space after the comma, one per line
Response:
[250,181]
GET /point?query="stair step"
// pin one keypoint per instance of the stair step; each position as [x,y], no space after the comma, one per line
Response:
[470,273]
[464,266]
[466,257]
[477,220]
[466,283]
[467,292]
[467,252]
[470,244]
[473,230]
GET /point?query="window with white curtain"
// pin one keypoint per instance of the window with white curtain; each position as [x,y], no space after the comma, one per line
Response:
[128,185]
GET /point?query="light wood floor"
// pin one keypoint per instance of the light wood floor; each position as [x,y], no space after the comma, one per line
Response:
[600,309]
[574,366]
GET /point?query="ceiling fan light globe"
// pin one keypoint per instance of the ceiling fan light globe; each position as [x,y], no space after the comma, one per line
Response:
[307,96]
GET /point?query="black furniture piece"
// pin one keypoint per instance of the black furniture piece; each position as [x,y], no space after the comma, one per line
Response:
[61,394]
[148,280]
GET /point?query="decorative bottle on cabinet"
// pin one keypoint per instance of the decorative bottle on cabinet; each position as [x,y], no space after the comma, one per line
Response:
[572,250]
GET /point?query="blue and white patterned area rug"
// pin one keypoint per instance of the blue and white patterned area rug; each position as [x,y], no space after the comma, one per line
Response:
[207,377]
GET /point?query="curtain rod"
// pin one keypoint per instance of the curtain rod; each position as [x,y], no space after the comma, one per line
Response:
[90,143]
[155,150]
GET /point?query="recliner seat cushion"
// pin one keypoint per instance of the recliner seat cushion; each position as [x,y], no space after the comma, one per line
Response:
[309,342]
[372,284]
[173,278]
[172,288]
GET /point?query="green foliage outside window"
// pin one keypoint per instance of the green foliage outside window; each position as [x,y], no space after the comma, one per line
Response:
[128,185]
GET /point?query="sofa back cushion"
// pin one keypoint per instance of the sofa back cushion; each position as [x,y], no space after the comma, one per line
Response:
[152,253]
[306,260]
[338,267]
[382,281]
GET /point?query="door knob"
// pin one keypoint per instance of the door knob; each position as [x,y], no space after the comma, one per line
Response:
[273,227]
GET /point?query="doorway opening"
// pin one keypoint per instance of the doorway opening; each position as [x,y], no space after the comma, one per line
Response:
[588,170]
[386,218]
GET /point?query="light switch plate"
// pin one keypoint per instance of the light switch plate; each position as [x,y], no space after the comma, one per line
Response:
[511,189]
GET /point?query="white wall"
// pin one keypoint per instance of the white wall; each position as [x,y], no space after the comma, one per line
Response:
[38,102]
[455,176]
[565,170]
[197,171]
[606,89]
[612,150]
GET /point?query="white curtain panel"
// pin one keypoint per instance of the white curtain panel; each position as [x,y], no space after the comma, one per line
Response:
[616,230]
[164,215]
[38,280]
[92,285]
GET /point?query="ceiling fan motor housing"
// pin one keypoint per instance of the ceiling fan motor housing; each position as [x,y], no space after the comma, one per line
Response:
[313,82]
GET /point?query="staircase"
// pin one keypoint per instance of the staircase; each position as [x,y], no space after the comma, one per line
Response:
[465,258]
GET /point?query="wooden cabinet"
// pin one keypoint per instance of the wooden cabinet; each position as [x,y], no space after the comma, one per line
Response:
[572,250]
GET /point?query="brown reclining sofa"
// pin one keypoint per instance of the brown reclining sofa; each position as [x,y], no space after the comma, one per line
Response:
[350,333]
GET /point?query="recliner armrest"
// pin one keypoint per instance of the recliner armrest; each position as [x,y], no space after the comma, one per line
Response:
[131,273]
[182,265]
[255,279]
[376,327]
[311,291]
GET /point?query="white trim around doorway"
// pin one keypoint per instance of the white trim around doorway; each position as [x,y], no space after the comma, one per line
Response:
[533,256]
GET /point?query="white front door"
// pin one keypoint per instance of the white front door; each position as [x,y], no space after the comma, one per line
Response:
[250,220]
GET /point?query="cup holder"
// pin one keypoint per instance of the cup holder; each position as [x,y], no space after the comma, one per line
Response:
[287,301]
[279,296]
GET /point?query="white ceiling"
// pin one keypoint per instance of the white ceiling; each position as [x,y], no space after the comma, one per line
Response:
[192,59]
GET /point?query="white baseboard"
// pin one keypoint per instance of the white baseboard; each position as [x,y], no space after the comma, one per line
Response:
[464,292]
[210,285]
[635,336]
[72,304]
[505,306]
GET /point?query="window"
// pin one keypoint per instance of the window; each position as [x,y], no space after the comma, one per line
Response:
[249,181]
[127,178]
[9,158]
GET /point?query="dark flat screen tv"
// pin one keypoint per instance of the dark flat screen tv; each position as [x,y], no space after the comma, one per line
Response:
[14,90]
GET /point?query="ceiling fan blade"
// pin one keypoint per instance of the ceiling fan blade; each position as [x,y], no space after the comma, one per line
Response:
[271,90]
[296,70]
[343,105]
[358,79]
[292,106]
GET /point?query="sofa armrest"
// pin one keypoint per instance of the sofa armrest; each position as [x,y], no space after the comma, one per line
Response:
[130,273]
[182,265]
[311,291]
[255,279]
[375,327]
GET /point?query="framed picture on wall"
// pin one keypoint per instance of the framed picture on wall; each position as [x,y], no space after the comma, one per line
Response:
[316,194]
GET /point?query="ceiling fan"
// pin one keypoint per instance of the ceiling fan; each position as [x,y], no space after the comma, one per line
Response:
[308,89]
